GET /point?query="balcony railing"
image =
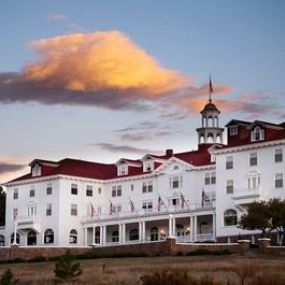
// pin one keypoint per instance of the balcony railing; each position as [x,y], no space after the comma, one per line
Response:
[194,207]
[246,195]
[28,222]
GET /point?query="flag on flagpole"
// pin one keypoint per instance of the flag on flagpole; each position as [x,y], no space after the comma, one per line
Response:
[183,201]
[160,203]
[132,205]
[204,197]
[92,211]
[111,208]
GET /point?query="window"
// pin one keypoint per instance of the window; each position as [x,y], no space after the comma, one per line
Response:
[49,236]
[89,191]
[175,202]
[233,130]
[147,187]
[16,194]
[31,238]
[122,170]
[154,234]
[253,159]
[73,237]
[73,210]
[279,180]
[207,178]
[213,178]
[117,191]
[278,155]
[147,206]
[115,236]
[49,209]
[176,182]
[36,170]
[2,240]
[253,183]
[32,193]
[229,162]
[210,178]
[49,189]
[134,234]
[116,209]
[257,134]
[230,186]
[17,238]
[230,217]
[148,166]
[15,213]
[74,189]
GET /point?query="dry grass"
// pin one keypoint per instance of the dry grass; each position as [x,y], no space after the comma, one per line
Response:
[128,271]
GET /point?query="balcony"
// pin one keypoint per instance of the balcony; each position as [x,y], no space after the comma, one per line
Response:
[29,222]
[244,196]
[154,212]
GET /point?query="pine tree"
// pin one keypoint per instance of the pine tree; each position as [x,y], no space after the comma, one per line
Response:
[8,278]
[66,270]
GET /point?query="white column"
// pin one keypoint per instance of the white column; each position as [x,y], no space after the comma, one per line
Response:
[214,227]
[85,236]
[101,235]
[173,227]
[123,233]
[143,231]
[140,231]
[170,224]
[191,228]
[195,228]
[104,234]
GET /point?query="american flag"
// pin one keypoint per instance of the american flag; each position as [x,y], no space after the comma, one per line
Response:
[204,197]
[160,203]
[132,205]
[183,201]
[111,208]
[92,211]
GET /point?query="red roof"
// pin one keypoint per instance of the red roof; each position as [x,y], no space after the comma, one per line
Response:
[94,170]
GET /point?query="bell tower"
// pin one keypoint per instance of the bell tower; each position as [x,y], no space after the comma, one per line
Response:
[210,132]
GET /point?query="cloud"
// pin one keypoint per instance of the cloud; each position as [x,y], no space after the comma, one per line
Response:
[103,69]
[6,167]
[123,148]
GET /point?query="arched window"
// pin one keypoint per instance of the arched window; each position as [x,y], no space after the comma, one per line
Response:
[257,134]
[210,138]
[216,122]
[230,217]
[115,236]
[202,139]
[17,238]
[218,139]
[49,236]
[210,122]
[73,237]
[154,234]
[31,238]
[134,234]
[2,240]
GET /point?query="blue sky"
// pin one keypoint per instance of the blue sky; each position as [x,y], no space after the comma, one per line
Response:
[241,43]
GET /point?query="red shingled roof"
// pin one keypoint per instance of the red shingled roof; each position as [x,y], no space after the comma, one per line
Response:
[94,170]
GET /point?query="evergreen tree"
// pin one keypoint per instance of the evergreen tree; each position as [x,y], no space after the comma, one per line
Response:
[66,270]
[8,278]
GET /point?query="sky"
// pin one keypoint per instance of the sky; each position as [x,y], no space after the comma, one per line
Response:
[101,80]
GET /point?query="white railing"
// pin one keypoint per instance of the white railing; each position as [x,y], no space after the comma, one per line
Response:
[244,193]
[28,219]
[206,205]
[205,237]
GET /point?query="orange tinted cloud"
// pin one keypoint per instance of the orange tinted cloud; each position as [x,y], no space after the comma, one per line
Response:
[99,61]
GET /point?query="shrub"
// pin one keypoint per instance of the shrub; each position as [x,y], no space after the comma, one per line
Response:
[174,277]
[8,278]
[38,259]
[66,270]
[203,251]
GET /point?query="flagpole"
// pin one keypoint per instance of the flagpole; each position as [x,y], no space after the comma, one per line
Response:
[210,89]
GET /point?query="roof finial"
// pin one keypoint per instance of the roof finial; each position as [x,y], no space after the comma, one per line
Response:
[211,90]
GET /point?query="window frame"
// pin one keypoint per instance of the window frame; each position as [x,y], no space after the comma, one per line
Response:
[279,181]
[229,162]
[280,155]
[74,189]
[230,186]
[233,130]
[253,160]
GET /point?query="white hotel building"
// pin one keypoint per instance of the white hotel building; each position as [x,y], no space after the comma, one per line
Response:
[194,196]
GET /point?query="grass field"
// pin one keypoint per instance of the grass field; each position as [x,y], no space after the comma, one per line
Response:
[129,270]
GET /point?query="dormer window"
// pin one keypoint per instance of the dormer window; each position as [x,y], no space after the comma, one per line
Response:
[122,170]
[233,130]
[148,166]
[36,170]
[257,134]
